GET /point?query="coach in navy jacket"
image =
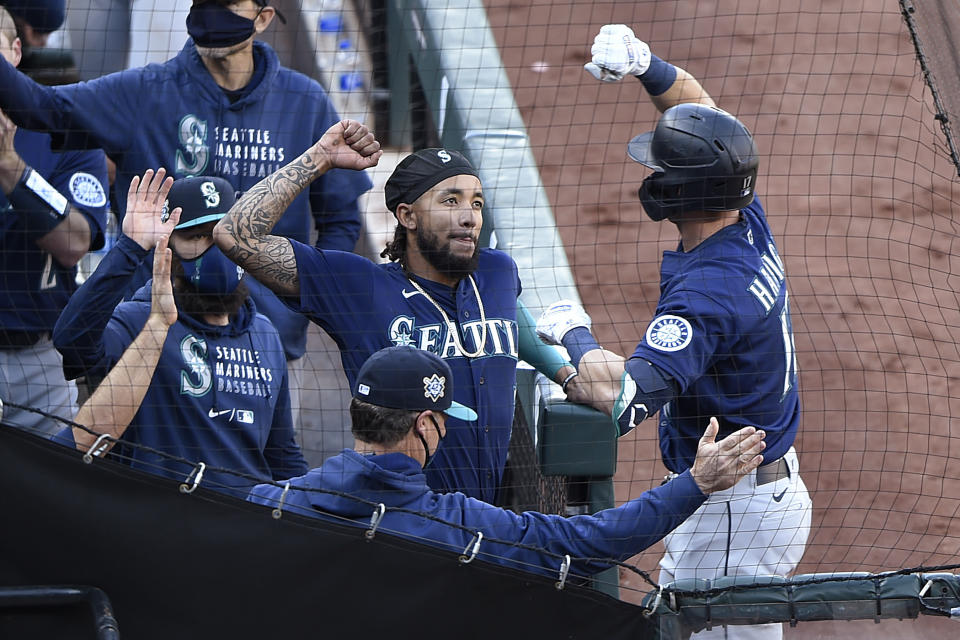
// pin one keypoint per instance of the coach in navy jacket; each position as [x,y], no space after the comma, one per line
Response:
[196,115]
[402,398]
[219,394]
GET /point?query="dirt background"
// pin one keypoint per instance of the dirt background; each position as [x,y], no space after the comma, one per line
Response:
[862,197]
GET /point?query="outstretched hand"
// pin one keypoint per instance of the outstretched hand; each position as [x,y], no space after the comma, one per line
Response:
[347,145]
[162,304]
[720,465]
[147,220]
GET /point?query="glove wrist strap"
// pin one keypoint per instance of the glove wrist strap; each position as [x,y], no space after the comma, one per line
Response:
[658,77]
[578,341]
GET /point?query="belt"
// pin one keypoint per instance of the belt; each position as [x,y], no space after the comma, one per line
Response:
[767,473]
[20,339]
[776,470]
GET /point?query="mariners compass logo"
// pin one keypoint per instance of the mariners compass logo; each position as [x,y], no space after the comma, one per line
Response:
[669,333]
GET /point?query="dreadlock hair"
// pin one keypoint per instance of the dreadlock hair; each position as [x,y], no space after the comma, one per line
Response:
[396,249]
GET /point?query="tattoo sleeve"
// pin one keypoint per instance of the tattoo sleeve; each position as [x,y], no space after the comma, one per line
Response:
[244,233]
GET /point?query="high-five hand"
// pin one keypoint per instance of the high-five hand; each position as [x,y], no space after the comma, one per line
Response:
[162,303]
[146,219]
[720,465]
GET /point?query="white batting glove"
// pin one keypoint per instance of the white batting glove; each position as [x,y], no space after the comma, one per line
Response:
[617,52]
[559,318]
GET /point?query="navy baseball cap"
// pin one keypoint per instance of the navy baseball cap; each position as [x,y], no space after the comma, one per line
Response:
[201,199]
[409,378]
[42,15]
[420,171]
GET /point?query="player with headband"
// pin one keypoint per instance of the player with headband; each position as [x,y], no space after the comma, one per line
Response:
[441,292]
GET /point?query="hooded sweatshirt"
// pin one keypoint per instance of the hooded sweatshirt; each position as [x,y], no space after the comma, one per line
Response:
[174,115]
[398,481]
[219,394]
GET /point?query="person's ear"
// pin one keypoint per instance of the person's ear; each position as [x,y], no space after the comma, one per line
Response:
[263,19]
[407,217]
[423,424]
[17,47]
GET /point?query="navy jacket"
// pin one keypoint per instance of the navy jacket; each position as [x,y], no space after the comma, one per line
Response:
[219,394]
[174,115]
[398,481]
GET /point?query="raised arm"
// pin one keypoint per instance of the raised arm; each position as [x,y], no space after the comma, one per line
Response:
[46,205]
[86,115]
[617,52]
[116,401]
[244,233]
[82,333]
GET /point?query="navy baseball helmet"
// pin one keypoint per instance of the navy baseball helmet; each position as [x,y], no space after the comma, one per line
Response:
[703,159]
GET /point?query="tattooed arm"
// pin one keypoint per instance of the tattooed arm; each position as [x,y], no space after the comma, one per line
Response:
[244,233]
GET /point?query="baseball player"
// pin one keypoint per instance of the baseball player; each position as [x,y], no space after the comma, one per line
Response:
[52,211]
[721,342]
[441,293]
[219,394]
[401,411]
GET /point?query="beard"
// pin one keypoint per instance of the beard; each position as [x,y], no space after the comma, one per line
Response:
[442,259]
[196,304]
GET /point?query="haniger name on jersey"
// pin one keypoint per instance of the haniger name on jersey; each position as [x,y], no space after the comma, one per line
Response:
[769,282]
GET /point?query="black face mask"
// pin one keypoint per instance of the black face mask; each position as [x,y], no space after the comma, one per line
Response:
[213,25]
[426,450]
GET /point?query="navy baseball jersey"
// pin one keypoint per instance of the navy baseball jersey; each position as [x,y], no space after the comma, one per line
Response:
[34,287]
[366,307]
[722,330]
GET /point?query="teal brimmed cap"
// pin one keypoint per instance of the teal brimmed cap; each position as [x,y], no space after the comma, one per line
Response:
[409,378]
[201,199]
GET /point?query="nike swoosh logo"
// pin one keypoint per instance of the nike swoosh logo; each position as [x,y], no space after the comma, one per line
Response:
[778,498]
[213,414]
[409,294]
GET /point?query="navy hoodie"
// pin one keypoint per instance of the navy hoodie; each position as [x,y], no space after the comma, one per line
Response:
[174,115]
[219,394]
[397,481]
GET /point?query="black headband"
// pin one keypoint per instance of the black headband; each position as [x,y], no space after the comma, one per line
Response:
[420,171]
